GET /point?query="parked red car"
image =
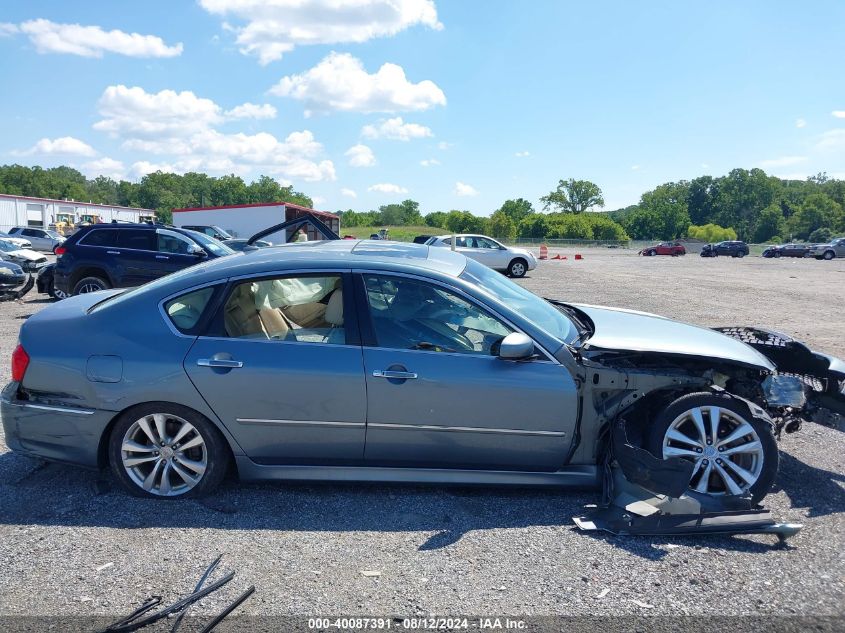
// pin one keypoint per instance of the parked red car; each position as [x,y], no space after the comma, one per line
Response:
[665,248]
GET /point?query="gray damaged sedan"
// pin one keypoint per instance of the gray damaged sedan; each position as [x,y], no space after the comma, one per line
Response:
[377,361]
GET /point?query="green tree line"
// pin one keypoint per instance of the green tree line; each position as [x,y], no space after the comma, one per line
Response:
[749,204]
[160,191]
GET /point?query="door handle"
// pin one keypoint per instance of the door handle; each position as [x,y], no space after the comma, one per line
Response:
[219,362]
[162,257]
[400,375]
[113,252]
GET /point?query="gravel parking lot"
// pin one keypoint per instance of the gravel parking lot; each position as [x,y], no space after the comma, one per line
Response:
[72,545]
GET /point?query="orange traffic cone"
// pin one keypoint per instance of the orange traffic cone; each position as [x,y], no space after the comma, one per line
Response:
[578,256]
[544,251]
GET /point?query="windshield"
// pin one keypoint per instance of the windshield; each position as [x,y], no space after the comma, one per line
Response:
[534,309]
[225,235]
[210,244]
[8,246]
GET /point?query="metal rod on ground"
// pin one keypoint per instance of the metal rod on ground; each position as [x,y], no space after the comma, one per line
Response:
[225,612]
[199,585]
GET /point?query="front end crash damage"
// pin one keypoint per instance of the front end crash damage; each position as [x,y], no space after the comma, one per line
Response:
[647,495]
[808,385]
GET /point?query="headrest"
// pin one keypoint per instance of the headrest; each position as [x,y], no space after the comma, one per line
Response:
[334,309]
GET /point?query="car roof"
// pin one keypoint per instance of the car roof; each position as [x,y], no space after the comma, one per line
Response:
[382,255]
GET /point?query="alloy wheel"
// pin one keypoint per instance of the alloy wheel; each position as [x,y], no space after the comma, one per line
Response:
[90,287]
[164,454]
[518,269]
[724,447]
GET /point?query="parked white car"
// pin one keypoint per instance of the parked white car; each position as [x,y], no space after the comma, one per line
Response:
[41,239]
[508,259]
[27,259]
[17,241]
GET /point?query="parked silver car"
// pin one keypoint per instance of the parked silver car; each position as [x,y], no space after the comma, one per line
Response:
[508,259]
[834,248]
[378,361]
[41,239]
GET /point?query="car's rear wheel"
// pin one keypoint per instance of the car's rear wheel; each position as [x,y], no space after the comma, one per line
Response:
[90,284]
[829,255]
[163,450]
[518,268]
[734,452]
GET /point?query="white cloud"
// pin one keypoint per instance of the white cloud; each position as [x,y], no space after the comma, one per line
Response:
[444,145]
[252,111]
[386,187]
[360,156]
[463,189]
[276,27]
[317,200]
[395,129]
[839,114]
[635,167]
[64,145]
[136,112]
[791,176]
[349,193]
[7,29]
[800,123]
[783,161]
[105,166]
[141,168]
[429,162]
[181,126]
[341,83]
[524,154]
[93,41]
[832,140]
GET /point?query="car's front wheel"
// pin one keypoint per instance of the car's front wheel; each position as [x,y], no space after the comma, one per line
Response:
[518,268]
[829,255]
[164,450]
[734,452]
[90,284]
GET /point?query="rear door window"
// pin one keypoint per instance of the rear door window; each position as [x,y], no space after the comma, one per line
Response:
[136,239]
[100,237]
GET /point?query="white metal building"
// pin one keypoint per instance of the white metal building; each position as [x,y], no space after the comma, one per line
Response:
[245,220]
[44,212]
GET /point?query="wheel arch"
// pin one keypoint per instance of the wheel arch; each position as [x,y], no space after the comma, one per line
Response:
[103,444]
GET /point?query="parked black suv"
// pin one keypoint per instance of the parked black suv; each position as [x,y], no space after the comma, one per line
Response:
[103,256]
[733,248]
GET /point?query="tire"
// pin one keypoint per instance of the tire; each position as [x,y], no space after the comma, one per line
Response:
[156,471]
[777,254]
[828,255]
[518,268]
[759,463]
[651,253]
[58,295]
[741,254]
[90,284]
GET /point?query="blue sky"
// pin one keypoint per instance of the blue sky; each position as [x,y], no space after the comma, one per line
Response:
[498,99]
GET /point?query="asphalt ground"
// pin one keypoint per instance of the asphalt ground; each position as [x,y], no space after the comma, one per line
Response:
[72,544]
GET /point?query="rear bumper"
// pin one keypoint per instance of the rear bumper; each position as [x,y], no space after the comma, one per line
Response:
[58,433]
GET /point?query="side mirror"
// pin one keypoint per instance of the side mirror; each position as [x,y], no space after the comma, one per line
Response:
[197,250]
[516,346]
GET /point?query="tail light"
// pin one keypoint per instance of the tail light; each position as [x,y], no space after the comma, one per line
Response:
[20,361]
[60,250]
